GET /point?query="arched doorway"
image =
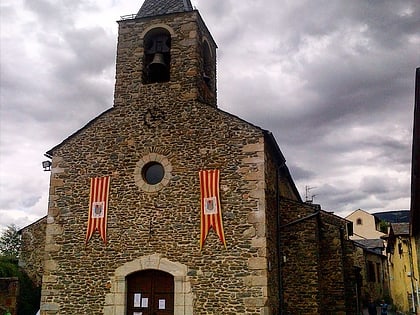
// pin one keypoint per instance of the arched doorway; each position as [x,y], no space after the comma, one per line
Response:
[116,299]
[150,292]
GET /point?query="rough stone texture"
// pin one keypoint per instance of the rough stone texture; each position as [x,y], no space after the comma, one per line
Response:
[31,258]
[372,289]
[338,278]
[9,291]
[167,221]
[317,270]
[177,122]
[188,34]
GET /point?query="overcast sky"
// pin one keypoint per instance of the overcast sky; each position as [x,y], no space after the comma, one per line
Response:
[333,81]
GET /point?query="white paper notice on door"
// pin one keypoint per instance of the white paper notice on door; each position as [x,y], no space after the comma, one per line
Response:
[137,299]
[144,302]
[138,313]
[162,304]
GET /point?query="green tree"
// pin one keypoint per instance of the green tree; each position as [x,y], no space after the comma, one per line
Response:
[10,242]
[29,294]
[383,226]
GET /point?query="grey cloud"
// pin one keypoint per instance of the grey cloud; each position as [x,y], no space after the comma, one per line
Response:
[333,81]
[299,173]
[58,13]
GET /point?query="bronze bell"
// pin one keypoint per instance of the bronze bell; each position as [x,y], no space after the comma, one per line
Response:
[158,63]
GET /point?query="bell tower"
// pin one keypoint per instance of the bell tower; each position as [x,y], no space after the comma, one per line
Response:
[165,53]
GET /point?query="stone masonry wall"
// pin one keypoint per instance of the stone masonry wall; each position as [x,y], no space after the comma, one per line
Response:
[31,258]
[272,212]
[378,289]
[338,293]
[186,68]
[277,186]
[193,137]
[317,271]
[300,249]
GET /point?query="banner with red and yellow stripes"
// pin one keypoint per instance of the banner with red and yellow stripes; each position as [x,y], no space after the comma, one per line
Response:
[98,207]
[211,212]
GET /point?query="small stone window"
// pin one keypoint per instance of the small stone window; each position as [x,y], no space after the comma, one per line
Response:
[359,221]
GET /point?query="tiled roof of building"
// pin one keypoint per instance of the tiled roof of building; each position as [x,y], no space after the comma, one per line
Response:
[401,228]
[162,7]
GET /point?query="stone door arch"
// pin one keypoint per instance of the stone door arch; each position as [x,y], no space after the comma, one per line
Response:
[115,301]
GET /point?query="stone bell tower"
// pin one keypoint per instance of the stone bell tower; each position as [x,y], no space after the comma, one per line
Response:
[165,54]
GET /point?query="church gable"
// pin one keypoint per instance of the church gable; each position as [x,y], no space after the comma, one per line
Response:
[143,221]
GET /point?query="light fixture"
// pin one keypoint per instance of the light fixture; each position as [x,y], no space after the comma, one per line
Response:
[46,165]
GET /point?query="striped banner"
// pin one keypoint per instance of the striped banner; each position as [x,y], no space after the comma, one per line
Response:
[98,207]
[211,214]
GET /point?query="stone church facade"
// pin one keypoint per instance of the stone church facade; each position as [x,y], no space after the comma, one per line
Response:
[163,129]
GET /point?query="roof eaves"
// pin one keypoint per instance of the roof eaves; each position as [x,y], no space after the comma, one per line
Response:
[50,152]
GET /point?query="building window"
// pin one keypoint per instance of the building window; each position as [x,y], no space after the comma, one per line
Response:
[359,221]
[153,173]
[371,272]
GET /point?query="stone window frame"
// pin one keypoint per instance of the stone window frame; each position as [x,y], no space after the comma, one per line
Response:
[138,172]
[158,25]
[115,301]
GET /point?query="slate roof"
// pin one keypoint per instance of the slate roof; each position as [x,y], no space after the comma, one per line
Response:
[370,243]
[401,228]
[162,7]
[375,246]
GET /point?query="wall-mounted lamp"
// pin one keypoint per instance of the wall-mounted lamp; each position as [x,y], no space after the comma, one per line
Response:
[46,165]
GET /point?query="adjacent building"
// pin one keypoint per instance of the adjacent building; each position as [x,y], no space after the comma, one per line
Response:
[403,268]
[373,270]
[365,225]
[415,175]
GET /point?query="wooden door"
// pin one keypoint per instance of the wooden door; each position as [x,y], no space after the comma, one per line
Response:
[150,292]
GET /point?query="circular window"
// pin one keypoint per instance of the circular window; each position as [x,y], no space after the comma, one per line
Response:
[153,173]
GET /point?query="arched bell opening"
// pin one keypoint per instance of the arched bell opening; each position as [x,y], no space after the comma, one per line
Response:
[157,56]
[208,65]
